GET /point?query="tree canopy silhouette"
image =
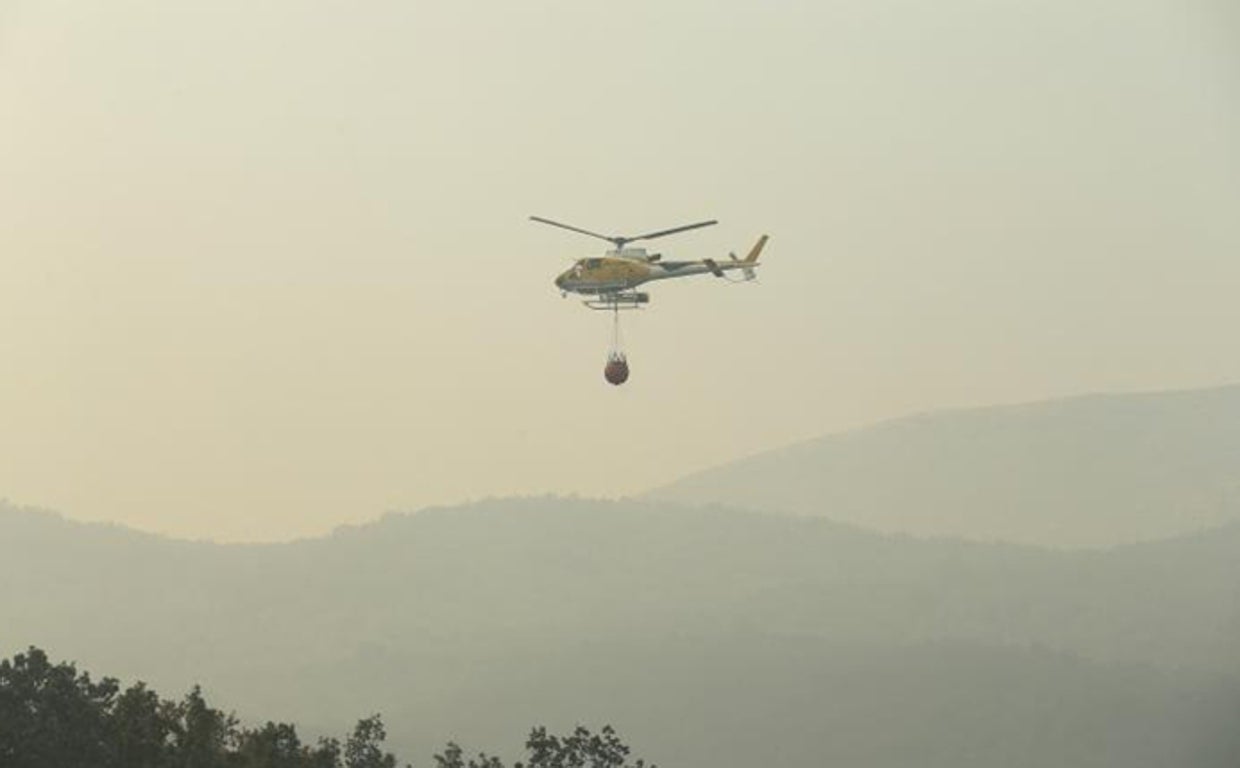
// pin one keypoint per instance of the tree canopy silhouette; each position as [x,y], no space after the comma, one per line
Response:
[53,716]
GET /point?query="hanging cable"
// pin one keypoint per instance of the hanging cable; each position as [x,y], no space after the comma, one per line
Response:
[617,339]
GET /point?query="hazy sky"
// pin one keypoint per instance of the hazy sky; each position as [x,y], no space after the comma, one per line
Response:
[266,266]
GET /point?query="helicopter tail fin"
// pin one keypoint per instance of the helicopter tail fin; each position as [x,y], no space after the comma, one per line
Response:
[751,259]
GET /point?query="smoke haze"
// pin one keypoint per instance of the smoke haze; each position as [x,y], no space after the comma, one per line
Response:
[267,268]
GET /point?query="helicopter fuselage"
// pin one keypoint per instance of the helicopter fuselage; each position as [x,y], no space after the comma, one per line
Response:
[625,269]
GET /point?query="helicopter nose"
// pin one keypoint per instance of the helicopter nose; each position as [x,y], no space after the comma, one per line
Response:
[559,282]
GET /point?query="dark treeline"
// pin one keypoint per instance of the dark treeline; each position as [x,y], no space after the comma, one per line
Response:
[52,716]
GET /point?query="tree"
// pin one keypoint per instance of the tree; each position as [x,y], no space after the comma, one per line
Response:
[325,755]
[202,736]
[275,745]
[581,749]
[454,757]
[364,747]
[52,717]
[142,727]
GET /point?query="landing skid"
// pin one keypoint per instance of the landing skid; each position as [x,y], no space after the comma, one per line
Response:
[618,301]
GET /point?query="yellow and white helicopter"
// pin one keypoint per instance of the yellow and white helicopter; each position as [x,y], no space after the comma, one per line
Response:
[610,280]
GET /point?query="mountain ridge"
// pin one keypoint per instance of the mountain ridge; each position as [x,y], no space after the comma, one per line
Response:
[1086,471]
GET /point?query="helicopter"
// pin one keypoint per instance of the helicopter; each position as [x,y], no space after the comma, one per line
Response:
[609,281]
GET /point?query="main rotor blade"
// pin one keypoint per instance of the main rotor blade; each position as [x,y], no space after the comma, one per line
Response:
[672,231]
[571,228]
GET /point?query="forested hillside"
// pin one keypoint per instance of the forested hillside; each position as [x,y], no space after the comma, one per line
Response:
[711,637]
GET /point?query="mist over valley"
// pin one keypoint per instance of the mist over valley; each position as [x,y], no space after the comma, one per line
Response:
[710,635]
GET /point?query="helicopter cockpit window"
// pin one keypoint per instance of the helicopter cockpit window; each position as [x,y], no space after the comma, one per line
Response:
[591,263]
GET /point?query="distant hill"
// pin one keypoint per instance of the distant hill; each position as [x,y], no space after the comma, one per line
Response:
[1086,471]
[710,637]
